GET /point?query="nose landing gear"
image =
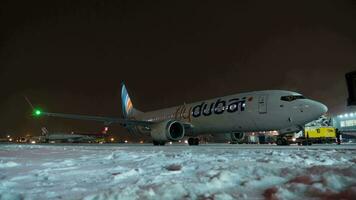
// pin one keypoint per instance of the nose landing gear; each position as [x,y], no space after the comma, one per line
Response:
[281,141]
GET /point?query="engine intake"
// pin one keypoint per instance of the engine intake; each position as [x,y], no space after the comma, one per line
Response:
[237,136]
[168,131]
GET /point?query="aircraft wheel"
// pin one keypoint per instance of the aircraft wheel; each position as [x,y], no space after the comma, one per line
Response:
[196,141]
[282,141]
[285,142]
[279,141]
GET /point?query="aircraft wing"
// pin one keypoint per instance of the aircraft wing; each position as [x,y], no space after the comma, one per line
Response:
[106,120]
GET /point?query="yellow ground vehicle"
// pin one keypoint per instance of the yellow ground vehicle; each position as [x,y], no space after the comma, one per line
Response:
[319,135]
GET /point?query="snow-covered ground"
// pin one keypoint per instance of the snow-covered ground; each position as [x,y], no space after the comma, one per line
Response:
[95,172]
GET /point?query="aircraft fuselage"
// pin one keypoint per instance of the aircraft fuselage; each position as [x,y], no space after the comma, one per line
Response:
[251,111]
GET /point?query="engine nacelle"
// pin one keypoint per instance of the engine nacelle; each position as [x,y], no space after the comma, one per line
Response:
[237,137]
[169,130]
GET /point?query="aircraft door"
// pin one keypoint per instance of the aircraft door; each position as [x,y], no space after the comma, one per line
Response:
[262,104]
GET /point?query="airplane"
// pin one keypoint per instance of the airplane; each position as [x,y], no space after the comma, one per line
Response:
[63,137]
[231,115]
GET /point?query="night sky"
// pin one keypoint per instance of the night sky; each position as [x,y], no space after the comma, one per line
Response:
[71,56]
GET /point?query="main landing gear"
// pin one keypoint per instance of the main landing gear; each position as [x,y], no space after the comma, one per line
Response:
[281,141]
[158,143]
[193,141]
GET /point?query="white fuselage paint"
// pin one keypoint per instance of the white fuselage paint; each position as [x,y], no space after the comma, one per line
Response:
[265,111]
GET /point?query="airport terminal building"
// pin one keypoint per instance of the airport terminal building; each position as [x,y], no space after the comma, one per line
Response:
[345,122]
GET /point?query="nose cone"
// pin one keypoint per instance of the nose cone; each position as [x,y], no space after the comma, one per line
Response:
[308,111]
[319,108]
[323,108]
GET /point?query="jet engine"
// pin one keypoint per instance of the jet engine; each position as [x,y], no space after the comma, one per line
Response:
[237,137]
[169,130]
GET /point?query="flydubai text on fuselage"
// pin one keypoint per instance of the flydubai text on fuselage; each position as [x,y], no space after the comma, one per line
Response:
[253,111]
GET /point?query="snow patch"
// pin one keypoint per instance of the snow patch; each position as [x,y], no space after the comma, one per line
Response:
[8,196]
[8,164]
[95,172]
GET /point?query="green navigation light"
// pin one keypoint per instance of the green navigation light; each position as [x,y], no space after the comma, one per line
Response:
[37,112]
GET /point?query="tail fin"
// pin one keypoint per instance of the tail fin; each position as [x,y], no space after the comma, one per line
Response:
[127,108]
[44,131]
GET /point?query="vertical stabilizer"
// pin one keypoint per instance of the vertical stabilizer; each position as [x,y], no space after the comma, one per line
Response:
[44,131]
[127,107]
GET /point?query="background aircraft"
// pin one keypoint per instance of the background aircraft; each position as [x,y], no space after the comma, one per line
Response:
[64,137]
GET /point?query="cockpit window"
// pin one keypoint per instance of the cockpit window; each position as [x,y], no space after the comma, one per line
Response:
[292,97]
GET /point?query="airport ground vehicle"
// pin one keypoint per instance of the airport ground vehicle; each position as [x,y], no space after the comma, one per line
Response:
[310,135]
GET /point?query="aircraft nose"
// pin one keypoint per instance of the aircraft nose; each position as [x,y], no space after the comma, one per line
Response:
[323,108]
[320,108]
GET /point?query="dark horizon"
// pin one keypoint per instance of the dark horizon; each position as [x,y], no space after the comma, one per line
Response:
[71,57]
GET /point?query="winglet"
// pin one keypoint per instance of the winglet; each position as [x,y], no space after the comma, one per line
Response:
[29,102]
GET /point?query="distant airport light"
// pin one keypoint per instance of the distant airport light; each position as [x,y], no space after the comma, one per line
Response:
[105,130]
[8,136]
[126,141]
[112,139]
[170,142]
[346,115]
[141,142]
[186,141]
